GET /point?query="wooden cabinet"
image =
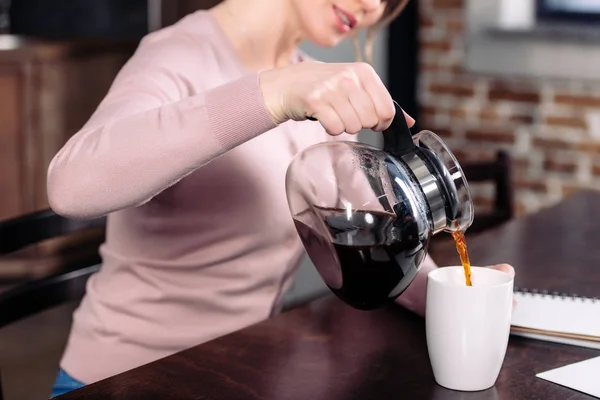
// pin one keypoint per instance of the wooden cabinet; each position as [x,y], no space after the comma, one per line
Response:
[48,90]
[11,196]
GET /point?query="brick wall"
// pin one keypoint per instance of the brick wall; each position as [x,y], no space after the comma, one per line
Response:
[549,126]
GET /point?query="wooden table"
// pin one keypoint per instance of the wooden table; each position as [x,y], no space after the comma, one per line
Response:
[327,350]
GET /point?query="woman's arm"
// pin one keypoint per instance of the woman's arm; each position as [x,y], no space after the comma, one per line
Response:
[148,133]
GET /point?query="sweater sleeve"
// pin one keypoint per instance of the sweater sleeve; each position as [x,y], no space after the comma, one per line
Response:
[148,132]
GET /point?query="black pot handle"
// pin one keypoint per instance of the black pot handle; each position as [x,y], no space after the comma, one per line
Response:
[397,138]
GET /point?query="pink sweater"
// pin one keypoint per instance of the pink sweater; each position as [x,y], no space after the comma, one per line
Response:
[189,166]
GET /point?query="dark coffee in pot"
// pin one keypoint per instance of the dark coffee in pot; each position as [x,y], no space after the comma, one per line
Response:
[366,257]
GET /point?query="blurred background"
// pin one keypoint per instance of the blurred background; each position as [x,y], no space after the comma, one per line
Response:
[513,86]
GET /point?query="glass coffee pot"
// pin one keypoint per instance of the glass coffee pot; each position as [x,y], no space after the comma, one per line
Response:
[366,215]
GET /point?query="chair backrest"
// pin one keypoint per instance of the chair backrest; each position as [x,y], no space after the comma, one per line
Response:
[499,172]
[36,295]
[33,228]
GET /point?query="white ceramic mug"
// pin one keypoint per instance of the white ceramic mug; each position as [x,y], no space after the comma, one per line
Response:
[468,326]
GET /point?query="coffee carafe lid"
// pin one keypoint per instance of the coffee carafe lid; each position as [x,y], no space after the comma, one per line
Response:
[450,180]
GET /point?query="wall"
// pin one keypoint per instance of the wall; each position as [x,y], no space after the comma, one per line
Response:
[550,126]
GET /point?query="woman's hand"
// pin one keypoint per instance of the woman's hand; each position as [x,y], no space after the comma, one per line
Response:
[343,97]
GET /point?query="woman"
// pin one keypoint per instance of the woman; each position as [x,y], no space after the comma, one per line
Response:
[187,154]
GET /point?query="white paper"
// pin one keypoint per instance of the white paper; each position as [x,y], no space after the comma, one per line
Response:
[581,376]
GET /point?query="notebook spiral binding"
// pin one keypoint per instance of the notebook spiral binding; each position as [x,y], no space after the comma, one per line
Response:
[555,295]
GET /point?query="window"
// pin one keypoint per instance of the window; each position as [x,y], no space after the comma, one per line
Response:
[568,10]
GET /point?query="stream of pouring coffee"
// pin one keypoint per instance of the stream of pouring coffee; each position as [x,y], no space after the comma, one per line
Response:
[461,247]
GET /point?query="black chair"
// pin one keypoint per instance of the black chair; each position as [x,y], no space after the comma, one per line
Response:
[23,231]
[67,284]
[499,172]
[75,243]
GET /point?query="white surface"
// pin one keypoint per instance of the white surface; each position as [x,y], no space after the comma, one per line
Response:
[467,328]
[516,14]
[582,376]
[593,121]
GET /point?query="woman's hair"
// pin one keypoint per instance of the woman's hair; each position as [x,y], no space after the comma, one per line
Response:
[391,11]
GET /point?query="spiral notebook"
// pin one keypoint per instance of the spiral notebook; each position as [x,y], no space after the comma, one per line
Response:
[573,320]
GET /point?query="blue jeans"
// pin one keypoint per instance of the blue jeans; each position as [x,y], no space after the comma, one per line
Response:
[64,383]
